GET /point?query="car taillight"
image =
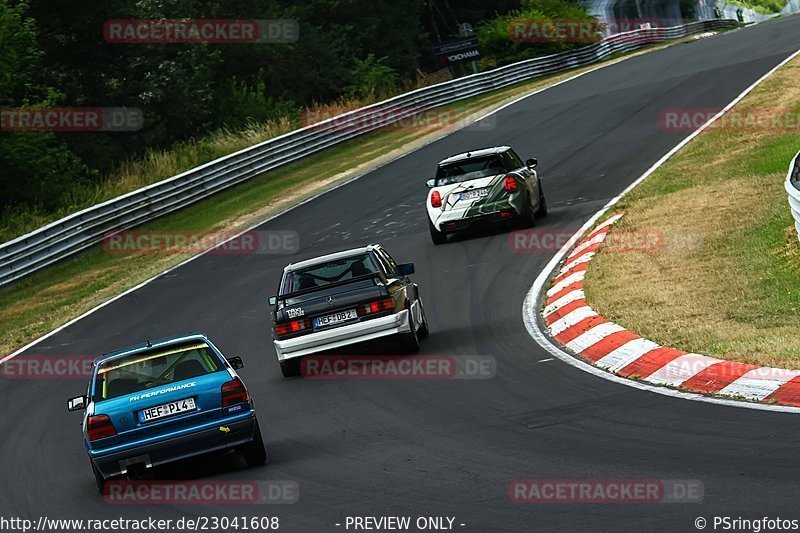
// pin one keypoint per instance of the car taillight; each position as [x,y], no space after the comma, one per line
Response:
[387,304]
[436,199]
[295,326]
[100,426]
[510,184]
[233,392]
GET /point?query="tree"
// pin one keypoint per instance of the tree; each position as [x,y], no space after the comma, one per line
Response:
[37,168]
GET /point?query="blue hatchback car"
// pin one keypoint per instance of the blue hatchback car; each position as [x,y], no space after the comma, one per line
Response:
[164,401]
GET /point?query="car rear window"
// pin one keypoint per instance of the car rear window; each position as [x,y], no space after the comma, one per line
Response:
[142,371]
[469,169]
[328,272]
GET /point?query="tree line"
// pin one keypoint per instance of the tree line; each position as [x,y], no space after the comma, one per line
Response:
[55,55]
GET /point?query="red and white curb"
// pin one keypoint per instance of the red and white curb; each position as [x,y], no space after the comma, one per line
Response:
[606,345]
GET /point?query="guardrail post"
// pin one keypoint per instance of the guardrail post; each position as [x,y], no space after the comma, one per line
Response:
[72,234]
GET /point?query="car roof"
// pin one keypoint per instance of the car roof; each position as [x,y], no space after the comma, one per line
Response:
[152,345]
[475,153]
[331,257]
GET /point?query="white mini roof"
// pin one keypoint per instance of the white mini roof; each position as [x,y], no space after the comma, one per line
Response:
[475,153]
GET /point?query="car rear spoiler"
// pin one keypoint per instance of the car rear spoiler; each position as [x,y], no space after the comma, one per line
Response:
[302,292]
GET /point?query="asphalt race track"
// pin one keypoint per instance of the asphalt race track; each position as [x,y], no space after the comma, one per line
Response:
[445,447]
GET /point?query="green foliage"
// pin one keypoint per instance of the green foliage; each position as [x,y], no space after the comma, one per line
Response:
[37,168]
[18,51]
[495,35]
[372,78]
[54,54]
[241,104]
[766,7]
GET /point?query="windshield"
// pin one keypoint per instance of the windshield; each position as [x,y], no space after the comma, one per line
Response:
[329,272]
[470,169]
[137,372]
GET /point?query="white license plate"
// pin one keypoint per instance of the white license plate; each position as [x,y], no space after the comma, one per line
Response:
[335,318]
[167,409]
[474,193]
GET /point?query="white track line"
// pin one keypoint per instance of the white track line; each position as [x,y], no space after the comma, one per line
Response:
[530,306]
[463,124]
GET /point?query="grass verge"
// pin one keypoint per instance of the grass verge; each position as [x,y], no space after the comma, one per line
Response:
[45,300]
[725,281]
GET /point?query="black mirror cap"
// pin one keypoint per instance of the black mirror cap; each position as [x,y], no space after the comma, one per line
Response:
[532,162]
[430,183]
[273,300]
[236,362]
[77,404]
[406,269]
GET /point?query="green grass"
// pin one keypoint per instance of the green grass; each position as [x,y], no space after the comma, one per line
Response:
[51,297]
[726,282]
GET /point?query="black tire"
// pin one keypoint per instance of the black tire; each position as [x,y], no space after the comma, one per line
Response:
[424,330]
[528,217]
[98,477]
[410,341]
[254,453]
[541,211]
[438,237]
[290,367]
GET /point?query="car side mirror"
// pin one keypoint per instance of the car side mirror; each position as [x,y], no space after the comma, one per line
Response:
[406,269]
[77,404]
[273,300]
[531,163]
[236,362]
[430,184]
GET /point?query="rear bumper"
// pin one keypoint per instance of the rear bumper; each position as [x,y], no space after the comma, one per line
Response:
[461,218]
[343,336]
[205,439]
[455,223]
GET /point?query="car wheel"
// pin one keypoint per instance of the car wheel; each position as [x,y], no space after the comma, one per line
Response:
[528,217]
[423,330]
[542,209]
[254,453]
[410,341]
[290,367]
[438,237]
[98,477]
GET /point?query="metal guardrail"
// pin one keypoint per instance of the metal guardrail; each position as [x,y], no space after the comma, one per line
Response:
[74,233]
[793,189]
